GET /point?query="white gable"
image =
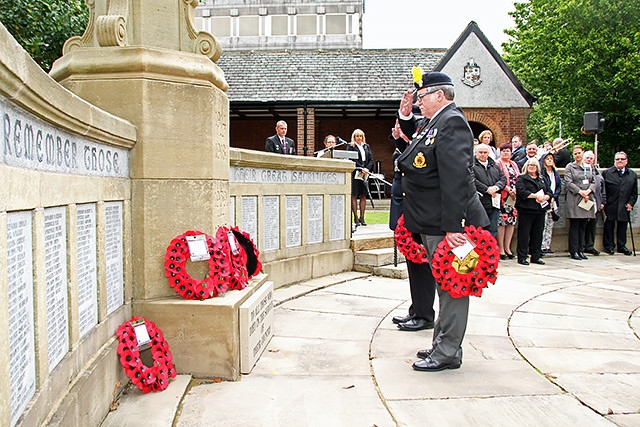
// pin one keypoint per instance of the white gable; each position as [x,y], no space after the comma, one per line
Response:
[496,89]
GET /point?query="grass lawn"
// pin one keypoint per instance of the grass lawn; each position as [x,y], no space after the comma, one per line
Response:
[376,217]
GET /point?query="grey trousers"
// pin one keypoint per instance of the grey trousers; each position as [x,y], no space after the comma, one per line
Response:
[451,324]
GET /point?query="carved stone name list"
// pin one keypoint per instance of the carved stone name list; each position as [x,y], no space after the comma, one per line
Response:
[314,217]
[55,240]
[114,255]
[22,364]
[87,267]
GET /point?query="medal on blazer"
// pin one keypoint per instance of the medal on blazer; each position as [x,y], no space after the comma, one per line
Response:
[431,136]
[419,161]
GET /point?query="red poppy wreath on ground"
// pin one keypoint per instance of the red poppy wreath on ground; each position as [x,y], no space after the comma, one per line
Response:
[186,286]
[146,378]
[466,277]
[412,250]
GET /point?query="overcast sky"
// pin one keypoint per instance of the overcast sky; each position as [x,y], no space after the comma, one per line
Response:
[432,23]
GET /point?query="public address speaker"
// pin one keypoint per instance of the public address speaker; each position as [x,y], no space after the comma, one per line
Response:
[593,122]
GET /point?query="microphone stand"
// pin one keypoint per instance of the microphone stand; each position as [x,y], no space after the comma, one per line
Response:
[324,150]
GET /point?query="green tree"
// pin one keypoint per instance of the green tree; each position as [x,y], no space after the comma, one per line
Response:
[577,56]
[42,26]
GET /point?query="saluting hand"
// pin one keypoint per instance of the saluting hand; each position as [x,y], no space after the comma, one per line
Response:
[406,104]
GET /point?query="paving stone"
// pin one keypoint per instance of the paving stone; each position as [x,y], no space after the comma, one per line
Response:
[606,393]
[260,400]
[568,360]
[525,411]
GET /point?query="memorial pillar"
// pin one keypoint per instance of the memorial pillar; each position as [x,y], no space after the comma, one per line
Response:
[144,61]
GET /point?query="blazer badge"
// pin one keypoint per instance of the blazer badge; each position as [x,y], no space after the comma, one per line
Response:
[431,136]
[419,161]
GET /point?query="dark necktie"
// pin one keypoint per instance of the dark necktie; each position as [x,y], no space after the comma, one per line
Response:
[284,146]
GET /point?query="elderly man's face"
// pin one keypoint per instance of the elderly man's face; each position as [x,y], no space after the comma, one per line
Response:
[532,150]
[482,154]
[589,158]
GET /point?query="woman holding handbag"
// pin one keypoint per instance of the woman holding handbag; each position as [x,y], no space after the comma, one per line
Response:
[533,201]
[554,181]
[508,212]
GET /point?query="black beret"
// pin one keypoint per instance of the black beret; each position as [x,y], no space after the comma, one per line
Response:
[434,78]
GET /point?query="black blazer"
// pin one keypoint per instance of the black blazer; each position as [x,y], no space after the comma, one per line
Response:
[273,145]
[368,156]
[440,193]
[525,186]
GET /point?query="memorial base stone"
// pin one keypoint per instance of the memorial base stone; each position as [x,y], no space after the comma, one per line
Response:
[204,336]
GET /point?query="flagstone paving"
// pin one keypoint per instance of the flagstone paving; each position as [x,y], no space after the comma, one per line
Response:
[553,345]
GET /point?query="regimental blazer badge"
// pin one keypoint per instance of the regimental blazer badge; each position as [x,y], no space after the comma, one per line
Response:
[419,161]
[471,74]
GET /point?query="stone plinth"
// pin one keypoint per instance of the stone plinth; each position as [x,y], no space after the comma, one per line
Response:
[202,335]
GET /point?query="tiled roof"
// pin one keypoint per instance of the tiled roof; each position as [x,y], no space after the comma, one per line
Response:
[324,75]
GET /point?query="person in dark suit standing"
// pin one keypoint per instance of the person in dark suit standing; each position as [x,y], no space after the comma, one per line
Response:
[440,199]
[621,186]
[280,143]
[423,291]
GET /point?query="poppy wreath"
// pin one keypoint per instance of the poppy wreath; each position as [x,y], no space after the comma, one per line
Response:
[461,279]
[242,255]
[146,378]
[412,250]
[186,286]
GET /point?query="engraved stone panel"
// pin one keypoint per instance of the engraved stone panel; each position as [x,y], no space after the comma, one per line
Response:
[271,223]
[87,267]
[55,255]
[284,176]
[336,218]
[114,255]
[256,326]
[293,220]
[32,143]
[250,216]
[22,363]
[314,225]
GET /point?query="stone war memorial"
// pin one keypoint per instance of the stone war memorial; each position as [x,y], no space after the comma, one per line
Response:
[121,148]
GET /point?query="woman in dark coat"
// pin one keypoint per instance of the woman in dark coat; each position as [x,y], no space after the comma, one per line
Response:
[364,165]
[532,201]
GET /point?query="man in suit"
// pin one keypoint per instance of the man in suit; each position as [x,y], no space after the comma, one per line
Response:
[621,186]
[280,143]
[440,199]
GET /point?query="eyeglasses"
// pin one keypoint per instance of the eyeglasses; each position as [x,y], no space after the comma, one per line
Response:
[420,96]
[620,160]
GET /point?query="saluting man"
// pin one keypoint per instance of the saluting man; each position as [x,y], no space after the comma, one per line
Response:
[440,199]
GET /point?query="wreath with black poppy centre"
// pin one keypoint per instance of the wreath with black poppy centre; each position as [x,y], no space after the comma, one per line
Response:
[470,276]
[412,250]
[146,378]
[217,279]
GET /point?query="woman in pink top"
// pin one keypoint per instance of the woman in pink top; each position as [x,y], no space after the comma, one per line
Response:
[508,212]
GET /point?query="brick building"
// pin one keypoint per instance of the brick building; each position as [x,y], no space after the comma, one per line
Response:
[304,63]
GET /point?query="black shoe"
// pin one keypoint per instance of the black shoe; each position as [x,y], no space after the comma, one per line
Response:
[547,251]
[576,256]
[362,222]
[609,251]
[593,251]
[624,251]
[415,324]
[401,319]
[537,261]
[523,262]
[503,257]
[423,354]
[511,256]
[582,255]
[430,365]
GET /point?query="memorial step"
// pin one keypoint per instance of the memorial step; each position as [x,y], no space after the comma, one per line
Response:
[376,257]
